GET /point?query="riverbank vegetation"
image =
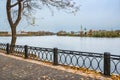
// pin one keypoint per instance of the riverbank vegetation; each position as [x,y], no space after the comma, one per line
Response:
[91,33]
[30,33]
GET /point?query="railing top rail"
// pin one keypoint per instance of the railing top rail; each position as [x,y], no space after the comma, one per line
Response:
[39,48]
[115,57]
[19,46]
[79,52]
[3,43]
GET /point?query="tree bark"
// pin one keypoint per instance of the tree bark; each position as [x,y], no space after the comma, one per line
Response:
[13,40]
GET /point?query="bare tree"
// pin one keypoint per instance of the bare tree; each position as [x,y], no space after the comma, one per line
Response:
[16,9]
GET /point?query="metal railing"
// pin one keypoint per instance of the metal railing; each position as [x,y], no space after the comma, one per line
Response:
[3,46]
[43,54]
[105,63]
[115,64]
[81,59]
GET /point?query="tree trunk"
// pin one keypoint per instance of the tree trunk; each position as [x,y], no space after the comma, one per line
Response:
[13,24]
[13,40]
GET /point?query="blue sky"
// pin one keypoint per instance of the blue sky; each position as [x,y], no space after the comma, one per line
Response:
[93,14]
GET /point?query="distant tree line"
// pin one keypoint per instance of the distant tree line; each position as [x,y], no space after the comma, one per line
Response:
[82,33]
[30,33]
[40,33]
[91,33]
[4,33]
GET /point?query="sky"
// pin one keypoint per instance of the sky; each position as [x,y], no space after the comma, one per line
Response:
[93,14]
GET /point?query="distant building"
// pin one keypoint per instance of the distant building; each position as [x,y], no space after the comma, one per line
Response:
[77,33]
[3,32]
[9,33]
[61,32]
[21,32]
[118,31]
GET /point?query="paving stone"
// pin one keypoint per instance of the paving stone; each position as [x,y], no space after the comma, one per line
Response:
[13,69]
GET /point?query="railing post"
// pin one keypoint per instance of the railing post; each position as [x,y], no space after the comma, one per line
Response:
[107,64]
[26,51]
[7,48]
[55,56]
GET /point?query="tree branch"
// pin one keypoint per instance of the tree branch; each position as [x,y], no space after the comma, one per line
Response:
[19,12]
[15,3]
[8,9]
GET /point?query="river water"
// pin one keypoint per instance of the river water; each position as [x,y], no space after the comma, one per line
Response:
[89,44]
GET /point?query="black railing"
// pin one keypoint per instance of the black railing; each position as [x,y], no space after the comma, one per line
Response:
[43,54]
[105,63]
[3,46]
[115,64]
[18,50]
[81,59]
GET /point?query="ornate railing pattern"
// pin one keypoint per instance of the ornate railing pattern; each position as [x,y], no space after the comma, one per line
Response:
[81,59]
[115,64]
[43,54]
[105,63]
[3,46]
[18,50]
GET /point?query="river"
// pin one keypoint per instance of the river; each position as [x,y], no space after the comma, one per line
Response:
[89,44]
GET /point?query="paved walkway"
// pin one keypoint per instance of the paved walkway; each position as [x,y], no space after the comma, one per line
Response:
[14,69]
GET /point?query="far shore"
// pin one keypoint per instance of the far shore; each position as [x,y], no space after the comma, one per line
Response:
[21,35]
